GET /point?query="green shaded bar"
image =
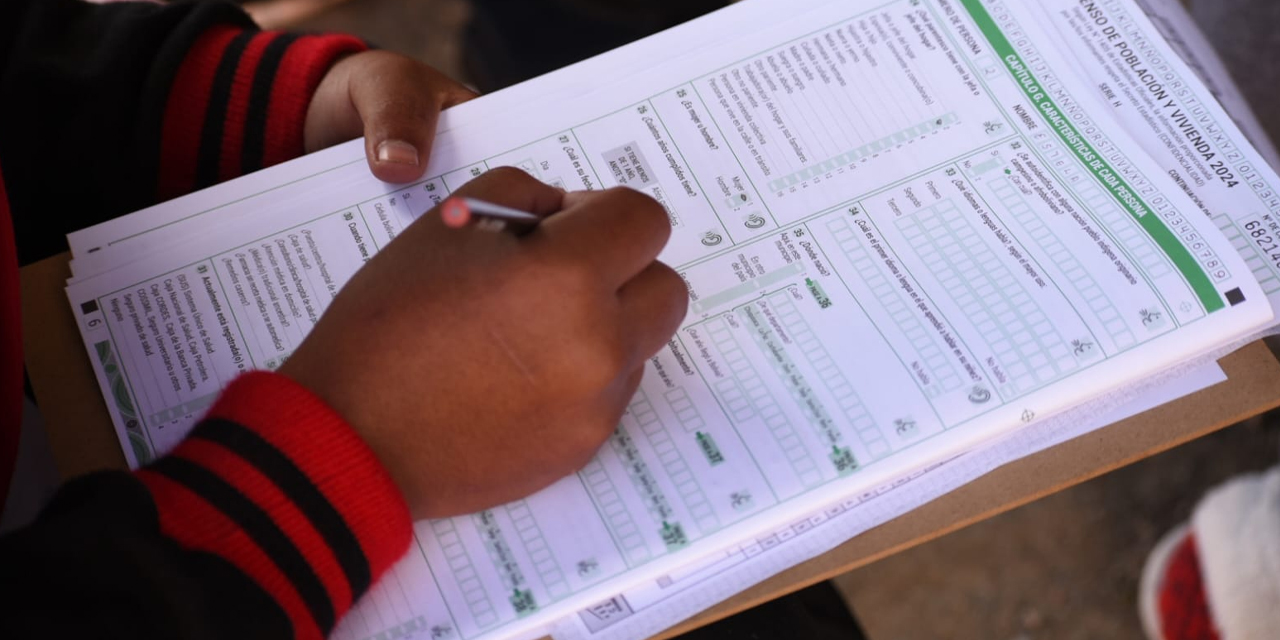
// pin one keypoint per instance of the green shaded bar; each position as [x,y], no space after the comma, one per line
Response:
[522,601]
[842,458]
[710,449]
[986,167]
[190,407]
[673,536]
[124,403]
[819,295]
[747,288]
[1096,164]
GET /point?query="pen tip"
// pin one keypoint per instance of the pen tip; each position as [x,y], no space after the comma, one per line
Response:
[455,213]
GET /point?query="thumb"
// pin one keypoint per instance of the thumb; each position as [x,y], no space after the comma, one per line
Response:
[399,101]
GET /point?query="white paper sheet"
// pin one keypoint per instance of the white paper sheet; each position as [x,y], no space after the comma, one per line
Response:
[1186,131]
[652,607]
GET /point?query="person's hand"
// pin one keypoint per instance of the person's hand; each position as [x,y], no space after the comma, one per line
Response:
[391,100]
[481,366]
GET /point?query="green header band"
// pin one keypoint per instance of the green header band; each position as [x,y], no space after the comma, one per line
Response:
[1096,164]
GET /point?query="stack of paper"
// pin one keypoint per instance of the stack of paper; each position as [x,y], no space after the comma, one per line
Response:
[922,238]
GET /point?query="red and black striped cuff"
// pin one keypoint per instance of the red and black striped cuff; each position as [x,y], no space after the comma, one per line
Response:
[276,483]
[239,103]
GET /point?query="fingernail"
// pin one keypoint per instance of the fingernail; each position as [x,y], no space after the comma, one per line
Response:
[397,151]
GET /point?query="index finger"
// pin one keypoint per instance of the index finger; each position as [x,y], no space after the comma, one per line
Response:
[618,232]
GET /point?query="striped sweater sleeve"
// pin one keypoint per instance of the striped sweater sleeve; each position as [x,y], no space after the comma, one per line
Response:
[272,481]
[269,521]
[239,102]
[142,101]
[277,485]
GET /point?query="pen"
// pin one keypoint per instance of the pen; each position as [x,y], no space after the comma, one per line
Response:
[459,212]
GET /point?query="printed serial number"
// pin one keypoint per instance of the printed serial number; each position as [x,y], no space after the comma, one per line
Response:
[1265,240]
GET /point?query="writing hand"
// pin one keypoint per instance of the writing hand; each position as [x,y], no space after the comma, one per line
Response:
[481,367]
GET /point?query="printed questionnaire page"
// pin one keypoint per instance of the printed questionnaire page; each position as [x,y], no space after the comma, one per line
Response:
[901,225]
[1157,78]
[1188,133]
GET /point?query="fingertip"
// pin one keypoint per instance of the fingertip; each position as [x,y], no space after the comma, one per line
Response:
[396,161]
[397,152]
[650,219]
[575,198]
[672,293]
[634,380]
[396,173]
